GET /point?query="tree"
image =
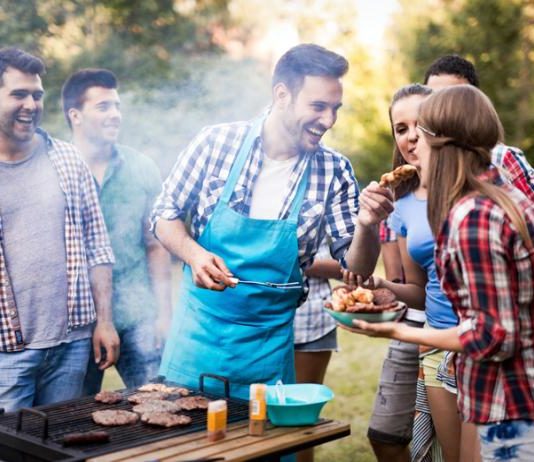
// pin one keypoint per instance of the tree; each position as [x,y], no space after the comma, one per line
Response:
[496,35]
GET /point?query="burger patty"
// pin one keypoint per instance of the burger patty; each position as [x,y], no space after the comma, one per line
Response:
[108,397]
[112,417]
[192,402]
[164,388]
[165,419]
[139,398]
[156,406]
[383,296]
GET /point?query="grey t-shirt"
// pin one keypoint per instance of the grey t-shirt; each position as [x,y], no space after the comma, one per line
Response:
[32,209]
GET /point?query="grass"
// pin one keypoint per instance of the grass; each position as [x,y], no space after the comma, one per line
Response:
[353,376]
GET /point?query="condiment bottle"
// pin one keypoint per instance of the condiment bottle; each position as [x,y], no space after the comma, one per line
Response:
[257,409]
[217,413]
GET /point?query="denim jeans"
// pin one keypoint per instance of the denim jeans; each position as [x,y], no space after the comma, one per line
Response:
[43,376]
[512,440]
[138,360]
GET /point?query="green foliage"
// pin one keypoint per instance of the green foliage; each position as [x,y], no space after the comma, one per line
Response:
[494,35]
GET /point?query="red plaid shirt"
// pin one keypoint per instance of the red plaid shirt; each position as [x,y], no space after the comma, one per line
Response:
[488,274]
[86,243]
[515,167]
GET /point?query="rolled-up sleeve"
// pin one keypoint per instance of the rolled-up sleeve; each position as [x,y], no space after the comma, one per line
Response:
[181,189]
[342,209]
[481,265]
[96,239]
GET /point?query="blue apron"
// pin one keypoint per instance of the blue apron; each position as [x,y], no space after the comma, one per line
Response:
[245,333]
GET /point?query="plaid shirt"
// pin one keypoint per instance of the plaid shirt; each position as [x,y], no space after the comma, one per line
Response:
[86,244]
[312,322]
[487,273]
[515,168]
[196,182]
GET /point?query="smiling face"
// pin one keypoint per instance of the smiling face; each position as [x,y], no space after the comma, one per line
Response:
[309,113]
[99,118]
[21,106]
[404,122]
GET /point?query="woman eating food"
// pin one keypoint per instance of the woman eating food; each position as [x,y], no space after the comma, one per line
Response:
[484,261]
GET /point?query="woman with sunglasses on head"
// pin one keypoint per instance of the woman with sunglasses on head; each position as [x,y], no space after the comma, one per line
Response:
[390,428]
[485,262]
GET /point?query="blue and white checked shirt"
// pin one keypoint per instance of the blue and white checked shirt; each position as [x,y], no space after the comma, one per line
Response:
[197,179]
[311,321]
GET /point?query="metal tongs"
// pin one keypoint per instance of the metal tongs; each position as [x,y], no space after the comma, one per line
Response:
[272,285]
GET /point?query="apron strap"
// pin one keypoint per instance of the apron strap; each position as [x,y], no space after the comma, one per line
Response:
[299,195]
[241,158]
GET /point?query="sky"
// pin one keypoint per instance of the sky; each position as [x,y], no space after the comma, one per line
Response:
[373,19]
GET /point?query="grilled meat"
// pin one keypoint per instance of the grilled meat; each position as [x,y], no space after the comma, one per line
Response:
[156,406]
[108,397]
[165,419]
[139,398]
[112,417]
[192,402]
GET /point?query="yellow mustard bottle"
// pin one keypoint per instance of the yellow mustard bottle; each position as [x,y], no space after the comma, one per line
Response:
[257,409]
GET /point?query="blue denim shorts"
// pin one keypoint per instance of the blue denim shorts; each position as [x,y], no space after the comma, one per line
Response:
[511,440]
[326,343]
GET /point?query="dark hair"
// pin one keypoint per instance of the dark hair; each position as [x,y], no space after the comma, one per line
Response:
[404,92]
[74,88]
[20,60]
[308,60]
[453,65]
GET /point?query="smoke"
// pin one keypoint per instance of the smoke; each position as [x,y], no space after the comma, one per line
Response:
[160,122]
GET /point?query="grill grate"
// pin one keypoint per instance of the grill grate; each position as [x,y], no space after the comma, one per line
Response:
[75,416]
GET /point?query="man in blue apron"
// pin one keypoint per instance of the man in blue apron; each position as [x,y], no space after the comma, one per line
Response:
[253,201]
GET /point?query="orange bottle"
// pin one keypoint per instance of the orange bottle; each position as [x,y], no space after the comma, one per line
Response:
[217,414]
[257,409]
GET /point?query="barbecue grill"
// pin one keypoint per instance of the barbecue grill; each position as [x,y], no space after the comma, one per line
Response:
[36,434]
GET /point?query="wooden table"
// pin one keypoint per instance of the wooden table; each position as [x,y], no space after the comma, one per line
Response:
[237,446]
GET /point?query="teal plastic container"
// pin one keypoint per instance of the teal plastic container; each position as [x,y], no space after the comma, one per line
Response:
[304,402]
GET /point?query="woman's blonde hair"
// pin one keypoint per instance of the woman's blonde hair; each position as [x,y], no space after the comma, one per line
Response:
[462,127]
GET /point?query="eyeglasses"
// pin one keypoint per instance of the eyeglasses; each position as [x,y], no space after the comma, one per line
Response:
[426,130]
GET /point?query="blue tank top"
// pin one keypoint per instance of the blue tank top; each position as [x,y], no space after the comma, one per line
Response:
[410,221]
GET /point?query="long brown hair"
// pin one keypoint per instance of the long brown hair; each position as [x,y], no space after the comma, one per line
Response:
[462,127]
[413,89]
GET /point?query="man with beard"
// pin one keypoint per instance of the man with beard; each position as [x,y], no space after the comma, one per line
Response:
[258,198]
[55,254]
[127,183]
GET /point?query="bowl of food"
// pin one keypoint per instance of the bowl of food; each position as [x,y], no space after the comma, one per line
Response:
[296,404]
[356,303]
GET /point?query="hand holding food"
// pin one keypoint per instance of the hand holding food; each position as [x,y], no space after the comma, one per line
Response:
[376,203]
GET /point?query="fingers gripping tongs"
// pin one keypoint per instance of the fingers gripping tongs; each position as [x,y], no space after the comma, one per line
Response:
[272,285]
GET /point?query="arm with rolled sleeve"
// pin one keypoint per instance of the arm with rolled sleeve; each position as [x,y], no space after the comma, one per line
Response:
[341,211]
[478,275]
[176,201]
[99,260]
